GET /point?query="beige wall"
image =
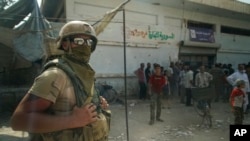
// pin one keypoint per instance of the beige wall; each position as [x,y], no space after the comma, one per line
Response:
[108,59]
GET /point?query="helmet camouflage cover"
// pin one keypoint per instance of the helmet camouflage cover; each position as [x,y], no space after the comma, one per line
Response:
[77,27]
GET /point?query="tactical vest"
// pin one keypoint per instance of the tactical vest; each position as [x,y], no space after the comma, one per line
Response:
[97,131]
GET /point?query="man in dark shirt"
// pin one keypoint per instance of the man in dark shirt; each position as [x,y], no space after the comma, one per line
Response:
[141,80]
[217,81]
[148,72]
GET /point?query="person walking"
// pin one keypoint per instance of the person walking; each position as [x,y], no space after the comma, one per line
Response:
[155,87]
[61,104]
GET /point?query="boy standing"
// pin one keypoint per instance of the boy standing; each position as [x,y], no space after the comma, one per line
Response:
[237,101]
[156,83]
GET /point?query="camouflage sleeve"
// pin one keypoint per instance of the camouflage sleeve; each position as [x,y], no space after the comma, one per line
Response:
[49,84]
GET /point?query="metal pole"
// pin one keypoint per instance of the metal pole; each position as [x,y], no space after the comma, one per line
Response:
[125,73]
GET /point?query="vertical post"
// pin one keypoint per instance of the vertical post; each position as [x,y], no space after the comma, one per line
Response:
[125,73]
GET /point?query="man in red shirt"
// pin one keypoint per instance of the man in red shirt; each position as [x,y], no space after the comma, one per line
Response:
[155,86]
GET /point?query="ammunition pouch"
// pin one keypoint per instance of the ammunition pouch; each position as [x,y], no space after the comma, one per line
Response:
[107,114]
[97,131]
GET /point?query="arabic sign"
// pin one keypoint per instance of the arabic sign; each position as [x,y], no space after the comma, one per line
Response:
[144,34]
[201,35]
[138,36]
[160,35]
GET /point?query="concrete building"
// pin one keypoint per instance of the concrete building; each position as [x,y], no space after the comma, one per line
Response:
[159,31]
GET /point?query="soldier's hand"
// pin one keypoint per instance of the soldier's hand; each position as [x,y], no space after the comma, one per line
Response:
[104,103]
[85,115]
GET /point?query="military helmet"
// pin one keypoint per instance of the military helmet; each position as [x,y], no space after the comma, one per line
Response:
[77,27]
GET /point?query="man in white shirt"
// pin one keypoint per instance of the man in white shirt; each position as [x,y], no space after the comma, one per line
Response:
[188,84]
[202,79]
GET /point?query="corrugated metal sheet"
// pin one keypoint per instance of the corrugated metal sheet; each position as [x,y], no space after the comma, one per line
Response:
[16,13]
[30,45]
[26,39]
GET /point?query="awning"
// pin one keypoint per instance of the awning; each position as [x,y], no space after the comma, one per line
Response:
[202,48]
[200,44]
[25,34]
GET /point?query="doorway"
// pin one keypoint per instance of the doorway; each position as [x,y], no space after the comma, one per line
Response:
[197,60]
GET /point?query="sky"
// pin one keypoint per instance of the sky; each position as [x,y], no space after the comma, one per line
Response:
[39,2]
[245,1]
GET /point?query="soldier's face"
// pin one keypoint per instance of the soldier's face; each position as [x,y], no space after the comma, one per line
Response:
[79,47]
[77,41]
[80,40]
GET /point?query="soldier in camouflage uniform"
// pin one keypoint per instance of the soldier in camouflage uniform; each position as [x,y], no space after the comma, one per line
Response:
[62,105]
[237,101]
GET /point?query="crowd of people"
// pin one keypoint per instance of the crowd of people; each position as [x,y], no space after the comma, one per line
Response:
[179,78]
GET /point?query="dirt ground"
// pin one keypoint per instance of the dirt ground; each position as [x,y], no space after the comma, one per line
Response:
[181,123]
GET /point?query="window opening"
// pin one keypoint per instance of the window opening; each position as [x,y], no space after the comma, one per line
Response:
[235,31]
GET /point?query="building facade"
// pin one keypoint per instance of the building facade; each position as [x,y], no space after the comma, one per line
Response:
[160,31]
